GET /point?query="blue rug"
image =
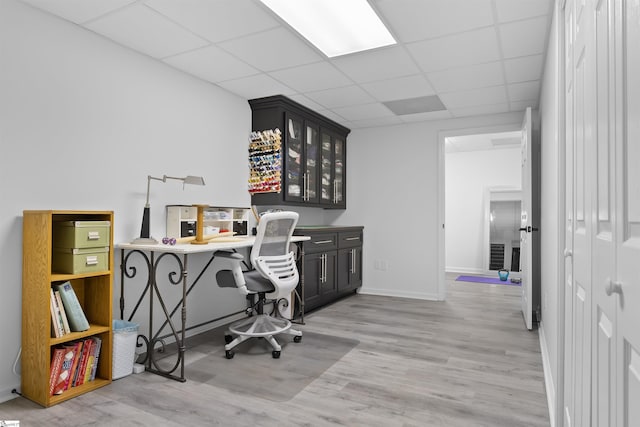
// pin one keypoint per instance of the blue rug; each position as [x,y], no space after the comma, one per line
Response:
[480,279]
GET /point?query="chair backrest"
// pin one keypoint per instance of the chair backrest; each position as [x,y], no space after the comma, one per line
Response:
[271,254]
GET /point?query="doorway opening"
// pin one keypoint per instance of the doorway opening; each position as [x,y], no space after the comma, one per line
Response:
[482,177]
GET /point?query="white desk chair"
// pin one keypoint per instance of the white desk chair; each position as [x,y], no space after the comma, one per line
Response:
[274,277]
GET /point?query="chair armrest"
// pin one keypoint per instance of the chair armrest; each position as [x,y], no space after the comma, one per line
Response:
[231,271]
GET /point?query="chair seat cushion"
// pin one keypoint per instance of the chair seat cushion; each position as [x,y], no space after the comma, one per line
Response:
[257,283]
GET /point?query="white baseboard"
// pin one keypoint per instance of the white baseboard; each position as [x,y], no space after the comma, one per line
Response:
[401,294]
[6,393]
[548,377]
[465,270]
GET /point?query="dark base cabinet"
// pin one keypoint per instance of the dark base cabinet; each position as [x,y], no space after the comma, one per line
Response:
[333,263]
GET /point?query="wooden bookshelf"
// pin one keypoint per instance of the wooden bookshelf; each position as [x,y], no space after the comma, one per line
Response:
[94,291]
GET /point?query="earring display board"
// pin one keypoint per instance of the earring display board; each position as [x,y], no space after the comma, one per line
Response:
[265,164]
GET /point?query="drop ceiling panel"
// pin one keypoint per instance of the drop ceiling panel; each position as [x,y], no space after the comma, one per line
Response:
[312,77]
[363,112]
[217,20]
[271,50]
[472,77]
[412,20]
[256,86]
[523,69]
[380,64]
[212,64]
[401,88]
[478,56]
[79,11]
[341,97]
[523,91]
[480,110]
[475,97]
[473,47]
[510,10]
[523,37]
[145,30]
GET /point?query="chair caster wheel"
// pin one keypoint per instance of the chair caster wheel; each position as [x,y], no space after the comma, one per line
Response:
[275,354]
[228,339]
[229,354]
[297,338]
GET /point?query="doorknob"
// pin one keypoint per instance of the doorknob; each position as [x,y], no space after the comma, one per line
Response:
[612,287]
[568,253]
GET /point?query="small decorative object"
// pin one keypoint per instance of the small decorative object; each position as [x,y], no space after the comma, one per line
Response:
[168,241]
[503,274]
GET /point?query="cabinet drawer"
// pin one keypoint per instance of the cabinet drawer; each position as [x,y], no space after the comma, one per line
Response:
[78,261]
[350,239]
[321,243]
[81,234]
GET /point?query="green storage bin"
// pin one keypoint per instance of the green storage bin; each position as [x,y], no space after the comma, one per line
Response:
[81,234]
[80,260]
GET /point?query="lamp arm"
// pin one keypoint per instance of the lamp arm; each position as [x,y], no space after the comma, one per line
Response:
[149,178]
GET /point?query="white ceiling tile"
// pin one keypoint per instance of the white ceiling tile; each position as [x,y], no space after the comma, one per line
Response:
[272,50]
[212,64]
[523,91]
[480,110]
[79,11]
[257,86]
[401,88]
[147,31]
[472,77]
[363,112]
[329,114]
[510,10]
[377,122]
[341,97]
[379,64]
[474,47]
[301,99]
[523,37]
[523,69]
[475,97]
[217,20]
[522,105]
[312,77]
[419,117]
[412,20]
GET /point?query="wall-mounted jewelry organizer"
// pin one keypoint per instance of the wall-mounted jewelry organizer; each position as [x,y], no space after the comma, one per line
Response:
[265,164]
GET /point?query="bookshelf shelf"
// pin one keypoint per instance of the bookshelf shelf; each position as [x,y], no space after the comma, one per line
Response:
[95,294]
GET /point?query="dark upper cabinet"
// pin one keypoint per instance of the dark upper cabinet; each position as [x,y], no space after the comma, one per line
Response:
[313,154]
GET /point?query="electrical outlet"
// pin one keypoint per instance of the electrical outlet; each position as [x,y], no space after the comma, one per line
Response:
[381,264]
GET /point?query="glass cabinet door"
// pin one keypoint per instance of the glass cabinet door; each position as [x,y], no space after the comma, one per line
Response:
[338,172]
[312,163]
[326,169]
[293,179]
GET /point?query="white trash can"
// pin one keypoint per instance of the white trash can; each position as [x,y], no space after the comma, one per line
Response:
[124,348]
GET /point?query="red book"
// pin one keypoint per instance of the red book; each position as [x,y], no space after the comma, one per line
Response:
[86,352]
[76,347]
[64,373]
[76,364]
[56,367]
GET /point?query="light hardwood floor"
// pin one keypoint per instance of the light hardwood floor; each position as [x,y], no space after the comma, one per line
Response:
[468,361]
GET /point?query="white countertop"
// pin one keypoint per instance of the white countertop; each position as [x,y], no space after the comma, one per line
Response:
[235,242]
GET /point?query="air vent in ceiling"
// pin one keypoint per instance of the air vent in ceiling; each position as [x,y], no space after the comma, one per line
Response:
[423,104]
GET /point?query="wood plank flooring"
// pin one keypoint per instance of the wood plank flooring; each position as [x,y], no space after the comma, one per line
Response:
[468,361]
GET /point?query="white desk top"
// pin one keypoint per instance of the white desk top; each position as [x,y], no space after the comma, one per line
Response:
[187,248]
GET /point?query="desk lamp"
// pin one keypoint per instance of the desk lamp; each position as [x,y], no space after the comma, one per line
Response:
[145,238]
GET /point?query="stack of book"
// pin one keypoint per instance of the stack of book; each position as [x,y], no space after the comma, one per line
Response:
[74,364]
[66,312]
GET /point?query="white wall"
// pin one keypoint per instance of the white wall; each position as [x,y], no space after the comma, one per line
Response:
[83,121]
[392,189]
[551,229]
[468,175]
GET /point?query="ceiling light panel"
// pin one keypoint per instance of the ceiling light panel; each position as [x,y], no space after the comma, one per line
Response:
[335,27]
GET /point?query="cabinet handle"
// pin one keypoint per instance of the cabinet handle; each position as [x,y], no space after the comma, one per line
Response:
[308,184]
[324,268]
[352,238]
[352,270]
[335,191]
[612,287]
[322,242]
[304,187]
